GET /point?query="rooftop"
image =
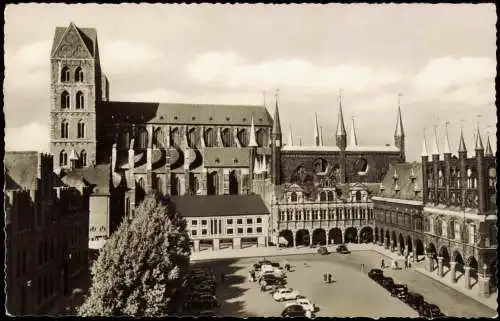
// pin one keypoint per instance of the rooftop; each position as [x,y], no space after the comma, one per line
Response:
[220,205]
[21,170]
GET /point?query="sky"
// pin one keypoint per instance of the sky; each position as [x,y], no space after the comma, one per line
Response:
[440,58]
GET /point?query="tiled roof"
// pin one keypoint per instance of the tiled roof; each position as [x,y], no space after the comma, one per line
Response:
[310,149]
[226,157]
[220,205]
[404,182]
[98,177]
[190,114]
[372,149]
[21,169]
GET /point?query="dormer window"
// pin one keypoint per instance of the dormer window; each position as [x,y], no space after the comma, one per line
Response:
[382,187]
[395,176]
[412,174]
[397,188]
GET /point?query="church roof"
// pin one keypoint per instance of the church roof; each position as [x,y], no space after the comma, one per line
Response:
[404,182]
[21,170]
[190,114]
[226,157]
[219,205]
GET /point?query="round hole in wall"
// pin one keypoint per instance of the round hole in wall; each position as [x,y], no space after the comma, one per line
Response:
[193,118]
[217,160]
[210,118]
[260,119]
[244,119]
[227,118]
[161,117]
[236,160]
[175,117]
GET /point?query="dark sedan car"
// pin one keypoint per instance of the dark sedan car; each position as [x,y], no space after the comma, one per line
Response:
[400,291]
[271,280]
[387,283]
[430,311]
[323,250]
[342,249]
[415,300]
[376,275]
[293,311]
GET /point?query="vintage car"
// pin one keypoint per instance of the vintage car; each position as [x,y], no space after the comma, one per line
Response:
[286,294]
[376,274]
[415,300]
[323,250]
[342,248]
[305,303]
[430,311]
[400,291]
[271,280]
[387,283]
[294,310]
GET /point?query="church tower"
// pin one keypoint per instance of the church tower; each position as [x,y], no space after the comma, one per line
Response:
[276,139]
[75,91]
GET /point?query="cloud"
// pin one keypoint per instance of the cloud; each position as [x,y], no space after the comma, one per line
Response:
[125,56]
[231,70]
[28,67]
[171,96]
[30,137]
[449,73]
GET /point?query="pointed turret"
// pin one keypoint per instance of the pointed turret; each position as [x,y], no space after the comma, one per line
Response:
[424,148]
[461,146]
[320,136]
[353,139]
[290,137]
[276,123]
[447,149]
[489,151]
[341,135]
[479,141]
[316,131]
[435,145]
[253,141]
[276,143]
[399,133]
[264,164]
[256,166]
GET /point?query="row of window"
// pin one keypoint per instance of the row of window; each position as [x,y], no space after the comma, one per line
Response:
[229,221]
[400,220]
[66,74]
[81,162]
[230,231]
[193,138]
[66,100]
[80,129]
[323,214]
[453,231]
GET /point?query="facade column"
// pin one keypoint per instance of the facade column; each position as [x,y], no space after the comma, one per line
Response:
[440,266]
[483,283]
[216,244]
[327,240]
[310,239]
[467,277]
[386,243]
[196,245]
[429,264]
[225,181]
[453,268]
[294,240]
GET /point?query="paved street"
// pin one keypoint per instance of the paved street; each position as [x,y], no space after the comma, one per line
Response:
[352,293]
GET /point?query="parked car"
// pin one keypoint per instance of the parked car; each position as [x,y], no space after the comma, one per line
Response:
[305,303]
[286,294]
[271,280]
[275,288]
[387,283]
[400,291]
[276,273]
[342,248]
[376,274]
[323,250]
[415,300]
[294,310]
[430,311]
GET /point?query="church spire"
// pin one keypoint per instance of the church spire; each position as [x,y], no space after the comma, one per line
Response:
[489,151]
[316,131]
[479,141]
[435,145]
[353,139]
[399,132]
[341,135]
[276,124]
[424,147]
[253,141]
[447,149]
[290,137]
[320,136]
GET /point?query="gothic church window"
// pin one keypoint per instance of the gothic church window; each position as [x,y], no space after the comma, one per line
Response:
[63,158]
[83,158]
[65,100]
[79,74]
[261,138]
[64,129]
[243,137]
[194,138]
[330,196]
[65,74]
[143,138]
[124,138]
[293,197]
[492,177]
[226,137]
[81,129]
[80,100]
[159,138]
[322,197]
[209,137]
[175,137]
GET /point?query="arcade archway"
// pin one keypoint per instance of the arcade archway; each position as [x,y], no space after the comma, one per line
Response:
[366,235]
[351,235]
[335,236]
[302,238]
[285,238]
[319,236]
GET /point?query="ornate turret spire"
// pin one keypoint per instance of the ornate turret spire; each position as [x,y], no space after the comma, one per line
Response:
[424,147]
[320,136]
[435,145]
[316,131]
[256,166]
[253,141]
[276,124]
[290,137]
[340,124]
[479,141]
[399,132]
[353,139]
[447,149]
[461,146]
[264,164]
[489,151]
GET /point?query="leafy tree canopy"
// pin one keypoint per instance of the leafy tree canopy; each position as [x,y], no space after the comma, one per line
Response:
[139,270]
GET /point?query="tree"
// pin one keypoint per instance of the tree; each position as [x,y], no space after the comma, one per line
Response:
[140,269]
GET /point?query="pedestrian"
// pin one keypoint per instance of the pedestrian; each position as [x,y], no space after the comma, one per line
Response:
[325,277]
[409,264]
[382,264]
[406,264]
[329,278]
[362,268]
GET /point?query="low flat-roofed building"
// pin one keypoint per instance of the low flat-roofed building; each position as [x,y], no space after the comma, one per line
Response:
[217,221]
